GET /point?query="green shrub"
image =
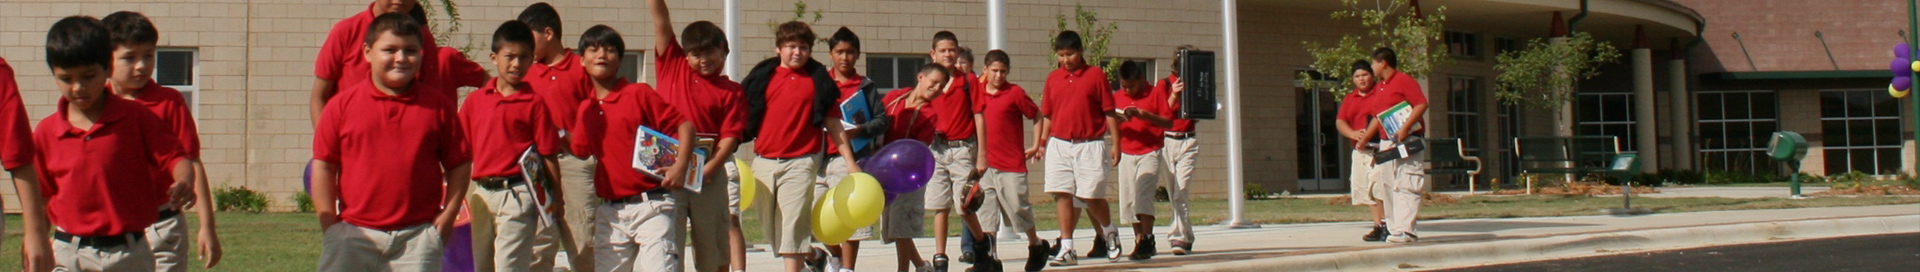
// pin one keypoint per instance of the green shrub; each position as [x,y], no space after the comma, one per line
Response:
[1849,180]
[1719,178]
[240,199]
[303,202]
[1253,191]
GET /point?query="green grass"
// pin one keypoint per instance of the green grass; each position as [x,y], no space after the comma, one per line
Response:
[1803,184]
[291,241]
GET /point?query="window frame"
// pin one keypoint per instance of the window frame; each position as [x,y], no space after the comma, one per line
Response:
[1757,147]
[1471,42]
[636,59]
[192,90]
[1838,143]
[907,80]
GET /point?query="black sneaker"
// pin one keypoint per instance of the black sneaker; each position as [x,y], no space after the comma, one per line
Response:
[940,262]
[983,249]
[1379,234]
[1143,250]
[817,262]
[1037,256]
[1099,247]
[966,257]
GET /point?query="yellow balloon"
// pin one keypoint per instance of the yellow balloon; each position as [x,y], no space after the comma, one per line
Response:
[862,199]
[1916,65]
[1897,93]
[828,227]
[748,186]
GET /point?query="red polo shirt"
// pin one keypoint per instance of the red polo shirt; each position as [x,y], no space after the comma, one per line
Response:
[561,86]
[956,107]
[100,181]
[908,123]
[608,126]
[1005,112]
[848,88]
[502,127]
[1165,89]
[1077,103]
[393,151]
[786,131]
[171,107]
[1137,136]
[341,59]
[16,141]
[1398,87]
[717,106]
[1356,111]
[453,71]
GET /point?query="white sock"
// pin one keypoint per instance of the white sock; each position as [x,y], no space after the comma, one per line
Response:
[1111,229]
[1066,244]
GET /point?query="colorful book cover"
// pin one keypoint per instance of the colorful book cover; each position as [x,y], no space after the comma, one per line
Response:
[654,152]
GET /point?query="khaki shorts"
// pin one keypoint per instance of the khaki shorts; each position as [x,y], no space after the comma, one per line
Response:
[516,224]
[644,235]
[1366,191]
[1139,176]
[905,218]
[791,181]
[136,255]
[830,176]
[733,188]
[1006,198]
[168,239]
[348,247]
[953,164]
[1079,169]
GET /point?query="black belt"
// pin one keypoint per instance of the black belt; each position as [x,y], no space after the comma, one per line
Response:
[99,241]
[1178,135]
[499,183]
[655,194]
[169,214]
[1082,140]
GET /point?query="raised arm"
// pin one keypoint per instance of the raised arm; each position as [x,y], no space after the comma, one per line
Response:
[662,26]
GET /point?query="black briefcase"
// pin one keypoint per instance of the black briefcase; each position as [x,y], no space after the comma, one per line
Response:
[1196,68]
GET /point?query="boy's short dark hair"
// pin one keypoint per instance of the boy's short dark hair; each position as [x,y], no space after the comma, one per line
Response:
[844,35]
[703,37]
[1132,70]
[1362,65]
[966,53]
[997,56]
[131,28]
[944,35]
[419,14]
[1387,55]
[1067,40]
[602,36]
[540,16]
[79,41]
[512,32]
[934,68]
[794,31]
[401,25]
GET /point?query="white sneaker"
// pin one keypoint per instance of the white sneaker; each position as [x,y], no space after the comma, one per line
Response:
[1113,246]
[1065,258]
[1402,238]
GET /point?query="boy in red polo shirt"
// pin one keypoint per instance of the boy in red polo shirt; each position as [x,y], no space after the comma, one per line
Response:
[556,75]
[1003,109]
[911,117]
[386,171]
[1076,112]
[1146,114]
[16,156]
[134,38]
[688,73]
[341,63]
[1181,152]
[105,160]
[505,119]
[792,100]
[953,143]
[1406,177]
[639,227]
[844,48]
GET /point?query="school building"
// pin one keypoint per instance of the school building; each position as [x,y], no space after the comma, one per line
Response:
[1700,86]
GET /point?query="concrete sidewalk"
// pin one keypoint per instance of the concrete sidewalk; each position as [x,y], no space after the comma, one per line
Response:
[1446,243]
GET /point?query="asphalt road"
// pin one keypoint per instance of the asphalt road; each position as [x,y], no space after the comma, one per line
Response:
[1894,252]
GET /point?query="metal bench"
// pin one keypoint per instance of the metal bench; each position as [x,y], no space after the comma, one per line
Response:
[1574,156]
[1448,156]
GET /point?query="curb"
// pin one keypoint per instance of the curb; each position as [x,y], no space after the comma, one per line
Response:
[1463,254]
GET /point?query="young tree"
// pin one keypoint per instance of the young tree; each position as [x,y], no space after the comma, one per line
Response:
[1400,25]
[1093,34]
[1543,74]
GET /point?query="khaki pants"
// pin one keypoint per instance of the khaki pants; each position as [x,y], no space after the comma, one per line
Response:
[1006,197]
[1139,176]
[1366,191]
[577,185]
[1180,156]
[1077,168]
[168,240]
[347,247]
[136,255]
[644,235]
[792,185]
[830,176]
[952,164]
[1406,181]
[516,219]
[710,214]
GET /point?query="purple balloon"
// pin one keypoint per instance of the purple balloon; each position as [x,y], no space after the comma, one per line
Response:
[901,167]
[1903,83]
[458,254]
[306,177]
[1901,67]
[1902,51]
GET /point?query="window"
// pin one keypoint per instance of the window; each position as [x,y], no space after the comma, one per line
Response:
[179,68]
[631,65]
[1504,45]
[1861,130]
[1734,128]
[1463,112]
[1509,128]
[1462,44]
[1606,114]
[890,72]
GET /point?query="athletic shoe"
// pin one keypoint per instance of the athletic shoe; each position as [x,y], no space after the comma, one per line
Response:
[1099,247]
[1181,247]
[966,256]
[1379,233]
[1143,250]
[1037,256]
[940,262]
[1402,238]
[1113,246]
[1065,258]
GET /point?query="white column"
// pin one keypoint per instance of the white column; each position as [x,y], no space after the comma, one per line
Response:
[1236,173]
[731,11]
[1646,135]
[1682,115]
[996,24]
